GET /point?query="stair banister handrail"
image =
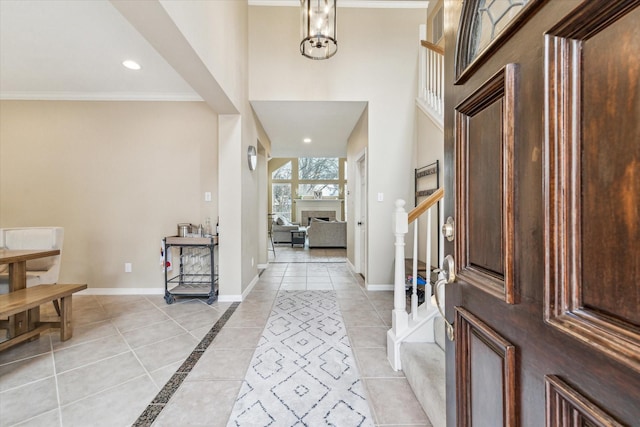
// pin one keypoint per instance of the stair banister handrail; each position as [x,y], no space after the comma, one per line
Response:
[431,83]
[426,204]
[433,47]
[400,325]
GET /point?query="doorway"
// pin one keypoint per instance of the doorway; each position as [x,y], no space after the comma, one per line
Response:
[360,202]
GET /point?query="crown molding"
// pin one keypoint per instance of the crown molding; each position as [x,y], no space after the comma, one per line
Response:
[97,96]
[363,4]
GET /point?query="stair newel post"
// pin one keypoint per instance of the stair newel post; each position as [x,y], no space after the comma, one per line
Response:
[400,319]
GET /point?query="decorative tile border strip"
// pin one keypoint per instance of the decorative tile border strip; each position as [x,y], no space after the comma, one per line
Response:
[162,398]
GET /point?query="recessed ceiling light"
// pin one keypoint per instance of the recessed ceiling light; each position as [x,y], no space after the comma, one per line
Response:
[132,65]
[307,140]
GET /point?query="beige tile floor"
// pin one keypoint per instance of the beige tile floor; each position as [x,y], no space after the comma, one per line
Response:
[125,348]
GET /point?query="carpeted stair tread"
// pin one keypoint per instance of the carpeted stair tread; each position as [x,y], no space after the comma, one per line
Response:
[424,366]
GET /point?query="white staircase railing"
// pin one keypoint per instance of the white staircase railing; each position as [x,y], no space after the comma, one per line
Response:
[431,81]
[416,325]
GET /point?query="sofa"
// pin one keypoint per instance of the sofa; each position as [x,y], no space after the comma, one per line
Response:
[327,234]
[281,229]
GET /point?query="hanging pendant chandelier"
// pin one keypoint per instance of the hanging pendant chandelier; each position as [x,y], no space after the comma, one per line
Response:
[318,29]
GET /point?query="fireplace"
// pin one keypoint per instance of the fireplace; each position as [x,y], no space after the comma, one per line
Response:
[306,216]
[318,217]
[323,208]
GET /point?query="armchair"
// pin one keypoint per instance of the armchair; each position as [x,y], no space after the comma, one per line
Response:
[281,229]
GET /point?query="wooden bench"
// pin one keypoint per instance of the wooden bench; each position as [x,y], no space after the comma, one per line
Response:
[30,299]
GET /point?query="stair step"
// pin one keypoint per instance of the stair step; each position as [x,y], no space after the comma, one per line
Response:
[424,366]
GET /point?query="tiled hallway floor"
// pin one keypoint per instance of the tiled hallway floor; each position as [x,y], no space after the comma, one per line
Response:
[125,348]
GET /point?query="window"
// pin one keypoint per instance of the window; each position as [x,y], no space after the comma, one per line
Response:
[318,168]
[281,191]
[283,172]
[305,178]
[281,200]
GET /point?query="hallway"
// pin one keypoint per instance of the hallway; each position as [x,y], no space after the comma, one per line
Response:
[125,348]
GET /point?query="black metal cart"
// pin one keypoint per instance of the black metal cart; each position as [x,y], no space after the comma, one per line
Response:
[194,273]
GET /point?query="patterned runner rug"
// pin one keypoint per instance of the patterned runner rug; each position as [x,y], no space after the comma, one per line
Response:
[303,372]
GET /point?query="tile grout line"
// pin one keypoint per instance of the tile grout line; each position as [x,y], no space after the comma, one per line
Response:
[158,403]
[55,379]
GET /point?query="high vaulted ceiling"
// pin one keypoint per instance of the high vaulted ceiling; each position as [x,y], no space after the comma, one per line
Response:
[73,50]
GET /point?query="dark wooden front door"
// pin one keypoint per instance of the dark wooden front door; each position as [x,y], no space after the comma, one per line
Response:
[542,165]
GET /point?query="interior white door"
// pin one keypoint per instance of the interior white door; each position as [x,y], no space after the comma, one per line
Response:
[361,216]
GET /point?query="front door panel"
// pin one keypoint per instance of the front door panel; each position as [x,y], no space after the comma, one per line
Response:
[542,159]
[593,182]
[484,167]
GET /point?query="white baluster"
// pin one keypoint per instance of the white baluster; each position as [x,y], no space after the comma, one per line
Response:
[399,317]
[436,70]
[441,102]
[427,286]
[414,291]
[431,76]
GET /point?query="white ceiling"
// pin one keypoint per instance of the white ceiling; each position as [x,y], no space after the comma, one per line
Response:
[327,123]
[73,50]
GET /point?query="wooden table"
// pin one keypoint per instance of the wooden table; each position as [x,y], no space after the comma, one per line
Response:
[17,260]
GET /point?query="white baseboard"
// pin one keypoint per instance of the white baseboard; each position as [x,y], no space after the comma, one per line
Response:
[352,267]
[122,291]
[243,296]
[250,287]
[263,266]
[382,287]
[230,298]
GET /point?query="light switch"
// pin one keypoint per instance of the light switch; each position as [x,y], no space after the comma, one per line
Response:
[207,196]
[380,197]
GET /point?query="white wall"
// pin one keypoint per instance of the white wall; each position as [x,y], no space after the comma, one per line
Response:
[217,31]
[429,148]
[376,62]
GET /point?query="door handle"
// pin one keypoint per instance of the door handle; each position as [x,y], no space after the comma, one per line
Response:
[359,222]
[448,276]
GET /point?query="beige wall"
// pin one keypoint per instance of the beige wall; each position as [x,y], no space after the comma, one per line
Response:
[218,32]
[376,62]
[118,176]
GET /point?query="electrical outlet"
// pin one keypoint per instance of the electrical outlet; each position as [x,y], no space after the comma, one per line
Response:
[207,196]
[380,197]
[127,267]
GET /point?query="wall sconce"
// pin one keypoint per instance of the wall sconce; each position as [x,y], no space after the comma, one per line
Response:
[252,157]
